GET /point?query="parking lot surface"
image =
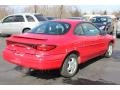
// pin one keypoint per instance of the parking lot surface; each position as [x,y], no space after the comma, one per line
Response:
[96,71]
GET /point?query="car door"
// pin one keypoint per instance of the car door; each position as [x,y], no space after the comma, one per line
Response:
[18,24]
[30,21]
[12,24]
[83,42]
[5,26]
[95,42]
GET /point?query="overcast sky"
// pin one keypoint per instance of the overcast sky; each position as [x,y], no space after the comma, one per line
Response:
[83,8]
[90,8]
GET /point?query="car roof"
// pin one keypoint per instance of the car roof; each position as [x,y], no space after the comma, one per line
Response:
[26,14]
[69,20]
[76,17]
[49,16]
[101,17]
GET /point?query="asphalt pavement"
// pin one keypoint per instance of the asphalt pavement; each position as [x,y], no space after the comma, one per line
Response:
[98,71]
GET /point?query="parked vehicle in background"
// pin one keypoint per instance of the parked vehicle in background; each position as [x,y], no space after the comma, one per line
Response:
[78,18]
[20,23]
[118,27]
[104,23]
[111,16]
[58,44]
[51,18]
[88,17]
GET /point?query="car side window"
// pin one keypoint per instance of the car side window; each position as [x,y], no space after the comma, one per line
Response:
[78,30]
[18,18]
[30,18]
[90,29]
[9,19]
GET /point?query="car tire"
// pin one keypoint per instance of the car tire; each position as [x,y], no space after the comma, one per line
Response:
[117,35]
[70,66]
[109,51]
[26,30]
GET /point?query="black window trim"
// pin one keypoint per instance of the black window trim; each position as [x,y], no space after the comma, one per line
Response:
[14,17]
[21,16]
[6,18]
[58,22]
[29,16]
[75,29]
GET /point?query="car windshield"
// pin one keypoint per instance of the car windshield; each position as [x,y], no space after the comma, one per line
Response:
[41,18]
[51,28]
[99,19]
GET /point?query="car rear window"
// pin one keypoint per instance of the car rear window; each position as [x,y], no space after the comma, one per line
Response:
[51,28]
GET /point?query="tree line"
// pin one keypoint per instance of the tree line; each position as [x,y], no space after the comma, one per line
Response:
[60,11]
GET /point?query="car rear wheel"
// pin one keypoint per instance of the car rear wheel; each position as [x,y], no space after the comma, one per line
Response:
[109,50]
[26,30]
[70,66]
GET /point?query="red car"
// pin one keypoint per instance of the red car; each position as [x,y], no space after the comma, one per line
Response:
[58,44]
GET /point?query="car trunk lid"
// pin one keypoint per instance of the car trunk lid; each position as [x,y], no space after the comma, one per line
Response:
[27,43]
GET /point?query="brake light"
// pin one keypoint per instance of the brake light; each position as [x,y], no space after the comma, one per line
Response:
[44,47]
[9,42]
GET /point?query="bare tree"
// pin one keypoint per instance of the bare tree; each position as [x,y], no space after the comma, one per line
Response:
[5,10]
[35,8]
[105,12]
[93,13]
[116,13]
[61,11]
[76,12]
[84,13]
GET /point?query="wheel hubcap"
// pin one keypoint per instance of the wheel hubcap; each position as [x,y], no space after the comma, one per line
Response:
[72,65]
[110,50]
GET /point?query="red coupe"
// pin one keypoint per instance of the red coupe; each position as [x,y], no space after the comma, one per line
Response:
[58,44]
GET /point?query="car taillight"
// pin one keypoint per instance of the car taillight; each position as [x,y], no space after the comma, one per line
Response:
[9,42]
[44,47]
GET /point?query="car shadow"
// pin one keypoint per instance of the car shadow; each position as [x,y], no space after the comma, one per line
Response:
[53,74]
[81,81]
[83,65]
[39,74]
[116,55]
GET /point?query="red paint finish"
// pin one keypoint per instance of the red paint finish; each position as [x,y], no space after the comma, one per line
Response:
[40,51]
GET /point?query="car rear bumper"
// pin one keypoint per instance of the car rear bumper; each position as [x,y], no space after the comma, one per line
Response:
[34,62]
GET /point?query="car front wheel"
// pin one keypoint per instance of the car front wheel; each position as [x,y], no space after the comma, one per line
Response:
[70,66]
[109,50]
